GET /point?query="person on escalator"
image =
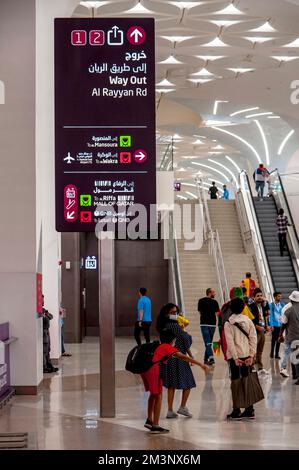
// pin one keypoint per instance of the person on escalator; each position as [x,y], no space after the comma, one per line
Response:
[282,223]
[260,175]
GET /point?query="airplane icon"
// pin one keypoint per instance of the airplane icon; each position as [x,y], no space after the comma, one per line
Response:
[69,159]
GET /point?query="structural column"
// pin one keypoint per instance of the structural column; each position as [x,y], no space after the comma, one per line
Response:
[107,327]
[18,241]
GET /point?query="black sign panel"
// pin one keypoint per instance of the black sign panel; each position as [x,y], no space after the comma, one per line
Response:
[104,119]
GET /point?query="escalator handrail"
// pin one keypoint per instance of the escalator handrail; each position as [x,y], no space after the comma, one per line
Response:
[286,203]
[259,236]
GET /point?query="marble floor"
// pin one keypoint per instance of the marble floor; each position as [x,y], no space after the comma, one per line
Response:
[65,414]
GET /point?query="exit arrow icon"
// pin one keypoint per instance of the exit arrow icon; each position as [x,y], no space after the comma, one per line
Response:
[136,35]
[70,215]
[140,156]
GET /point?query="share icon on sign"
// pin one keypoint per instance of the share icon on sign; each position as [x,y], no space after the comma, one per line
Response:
[140,156]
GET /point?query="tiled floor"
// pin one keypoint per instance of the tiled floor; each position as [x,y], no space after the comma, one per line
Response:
[65,415]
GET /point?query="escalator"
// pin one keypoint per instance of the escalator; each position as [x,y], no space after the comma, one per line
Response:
[282,269]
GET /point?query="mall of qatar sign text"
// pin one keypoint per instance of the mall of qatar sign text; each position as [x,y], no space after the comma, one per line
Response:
[104,120]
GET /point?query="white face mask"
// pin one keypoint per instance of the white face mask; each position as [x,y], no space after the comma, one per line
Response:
[173,317]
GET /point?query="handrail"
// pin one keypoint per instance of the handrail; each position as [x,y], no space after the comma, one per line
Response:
[173,255]
[214,246]
[206,213]
[251,223]
[285,200]
[164,160]
[216,251]
[281,201]
[179,277]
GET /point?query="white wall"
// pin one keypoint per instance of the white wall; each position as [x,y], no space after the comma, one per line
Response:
[17,190]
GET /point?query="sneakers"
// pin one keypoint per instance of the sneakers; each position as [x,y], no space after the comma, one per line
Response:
[51,370]
[247,414]
[211,361]
[158,430]
[234,416]
[183,410]
[284,373]
[263,372]
[277,357]
[148,424]
[171,415]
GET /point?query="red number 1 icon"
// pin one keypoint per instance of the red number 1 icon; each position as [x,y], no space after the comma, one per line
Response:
[79,37]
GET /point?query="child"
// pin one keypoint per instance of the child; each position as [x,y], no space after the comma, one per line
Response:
[153,382]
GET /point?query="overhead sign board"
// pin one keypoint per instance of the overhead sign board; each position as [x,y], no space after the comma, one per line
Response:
[104,119]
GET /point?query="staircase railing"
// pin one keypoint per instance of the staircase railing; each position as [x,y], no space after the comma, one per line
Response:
[251,233]
[172,253]
[276,189]
[212,237]
[167,160]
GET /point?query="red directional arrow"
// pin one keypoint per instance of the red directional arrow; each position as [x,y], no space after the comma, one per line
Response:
[140,156]
[136,35]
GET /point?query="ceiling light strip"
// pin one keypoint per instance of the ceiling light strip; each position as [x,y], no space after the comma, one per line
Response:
[233,163]
[244,111]
[189,184]
[241,140]
[216,181]
[225,168]
[284,142]
[258,114]
[216,105]
[264,141]
[191,194]
[213,169]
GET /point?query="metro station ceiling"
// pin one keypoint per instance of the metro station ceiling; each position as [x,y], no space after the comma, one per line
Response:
[223,77]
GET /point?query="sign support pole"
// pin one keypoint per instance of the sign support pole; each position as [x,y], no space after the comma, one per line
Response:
[106,247]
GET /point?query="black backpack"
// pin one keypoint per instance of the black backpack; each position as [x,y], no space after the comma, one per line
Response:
[140,358]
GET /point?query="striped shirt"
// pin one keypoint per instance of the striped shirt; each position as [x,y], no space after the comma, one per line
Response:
[282,224]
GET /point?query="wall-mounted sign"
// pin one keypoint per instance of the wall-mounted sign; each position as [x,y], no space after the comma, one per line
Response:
[104,119]
[177,186]
[91,262]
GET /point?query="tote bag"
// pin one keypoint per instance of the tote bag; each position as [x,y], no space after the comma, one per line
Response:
[246,391]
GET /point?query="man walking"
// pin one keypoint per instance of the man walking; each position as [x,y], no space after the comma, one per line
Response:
[208,307]
[275,321]
[291,325]
[260,310]
[259,176]
[213,191]
[282,230]
[144,318]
